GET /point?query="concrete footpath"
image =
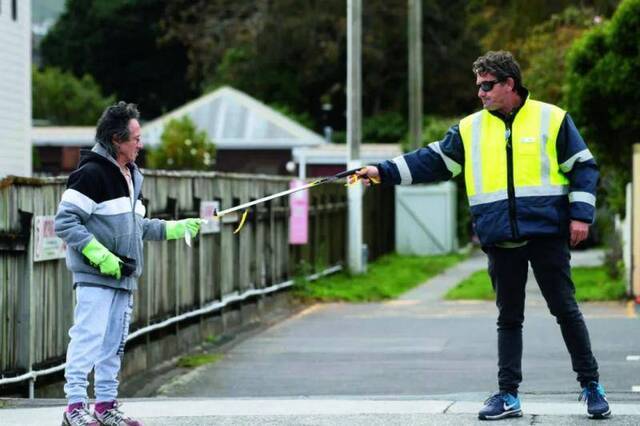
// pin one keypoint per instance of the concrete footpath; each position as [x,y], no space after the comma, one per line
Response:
[330,411]
[417,360]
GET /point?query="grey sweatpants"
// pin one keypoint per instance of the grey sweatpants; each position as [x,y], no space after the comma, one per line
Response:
[100,328]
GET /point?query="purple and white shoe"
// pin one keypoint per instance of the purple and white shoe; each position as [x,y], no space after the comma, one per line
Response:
[109,414]
[78,415]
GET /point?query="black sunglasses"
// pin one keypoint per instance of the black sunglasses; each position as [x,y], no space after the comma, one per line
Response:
[487,86]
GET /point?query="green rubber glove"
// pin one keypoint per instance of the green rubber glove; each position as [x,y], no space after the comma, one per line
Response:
[102,258]
[178,228]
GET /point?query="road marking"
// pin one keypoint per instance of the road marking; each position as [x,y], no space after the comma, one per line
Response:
[633,357]
[635,388]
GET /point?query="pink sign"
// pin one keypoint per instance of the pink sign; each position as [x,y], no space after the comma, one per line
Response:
[299,219]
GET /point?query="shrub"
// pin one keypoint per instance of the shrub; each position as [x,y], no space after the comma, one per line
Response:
[433,129]
[388,127]
[183,147]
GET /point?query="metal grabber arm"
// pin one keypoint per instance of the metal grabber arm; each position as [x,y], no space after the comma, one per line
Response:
[351,176]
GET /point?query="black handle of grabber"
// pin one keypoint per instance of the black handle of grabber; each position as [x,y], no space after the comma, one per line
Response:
[127,267]
[348,172]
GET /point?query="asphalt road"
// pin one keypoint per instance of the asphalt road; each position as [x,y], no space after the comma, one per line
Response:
[414,346]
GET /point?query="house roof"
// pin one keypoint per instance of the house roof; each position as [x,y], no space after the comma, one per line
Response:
[63,136]
[235,120]
[337,153]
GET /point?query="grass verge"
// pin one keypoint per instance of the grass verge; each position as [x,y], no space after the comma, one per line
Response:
[592,284]
[386,278]
[476,286]
[193,361]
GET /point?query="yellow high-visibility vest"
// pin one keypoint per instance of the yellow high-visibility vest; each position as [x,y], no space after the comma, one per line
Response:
[535,164]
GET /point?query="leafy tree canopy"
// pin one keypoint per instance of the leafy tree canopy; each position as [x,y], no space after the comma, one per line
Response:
[183,147]
[294,53]
[602,83]
[160,53]
[546,47]
[62,99]
[538,33]
[505,24]
[117,42]
[603,89]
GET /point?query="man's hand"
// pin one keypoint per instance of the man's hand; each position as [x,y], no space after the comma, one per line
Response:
[367,173]
[578,232]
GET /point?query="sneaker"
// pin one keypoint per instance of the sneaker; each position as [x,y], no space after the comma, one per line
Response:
[114,417]
[595,398]
[79,417]
[500,406]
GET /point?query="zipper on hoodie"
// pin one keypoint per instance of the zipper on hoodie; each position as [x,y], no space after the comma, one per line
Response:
[511,193]
[132,203]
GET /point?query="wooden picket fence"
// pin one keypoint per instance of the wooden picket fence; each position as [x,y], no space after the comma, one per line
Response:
[36,298]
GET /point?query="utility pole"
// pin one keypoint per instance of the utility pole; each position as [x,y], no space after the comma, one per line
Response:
[354,132]
[635,224]
[414,18]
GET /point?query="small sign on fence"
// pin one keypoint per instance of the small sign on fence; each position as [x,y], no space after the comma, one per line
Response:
[206,212]
[299,219]
[47,245]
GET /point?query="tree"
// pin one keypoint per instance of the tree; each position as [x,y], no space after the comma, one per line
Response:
[283,52]
[62,99]
[183,147]
[538,33]
[118,43]
[208,29]
[293,53]
[603,91]
[506,24]
[545,51]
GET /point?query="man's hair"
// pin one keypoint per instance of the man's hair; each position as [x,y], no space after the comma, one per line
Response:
[501,64]
[114,122]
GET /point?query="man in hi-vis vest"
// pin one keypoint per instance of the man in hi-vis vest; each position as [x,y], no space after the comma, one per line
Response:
[531,183]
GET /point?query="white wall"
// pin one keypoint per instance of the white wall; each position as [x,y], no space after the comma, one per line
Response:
[15,88]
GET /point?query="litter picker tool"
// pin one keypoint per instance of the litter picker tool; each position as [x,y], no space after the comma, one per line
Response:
[351,176]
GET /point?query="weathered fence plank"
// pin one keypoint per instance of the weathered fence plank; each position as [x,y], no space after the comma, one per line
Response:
[37,298]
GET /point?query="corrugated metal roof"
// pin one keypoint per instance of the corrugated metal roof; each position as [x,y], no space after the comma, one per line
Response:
[235,120]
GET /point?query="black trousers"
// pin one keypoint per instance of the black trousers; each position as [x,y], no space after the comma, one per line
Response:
[508,269]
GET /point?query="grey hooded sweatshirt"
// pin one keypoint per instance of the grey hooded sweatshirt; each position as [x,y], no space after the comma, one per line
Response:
[97,204]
